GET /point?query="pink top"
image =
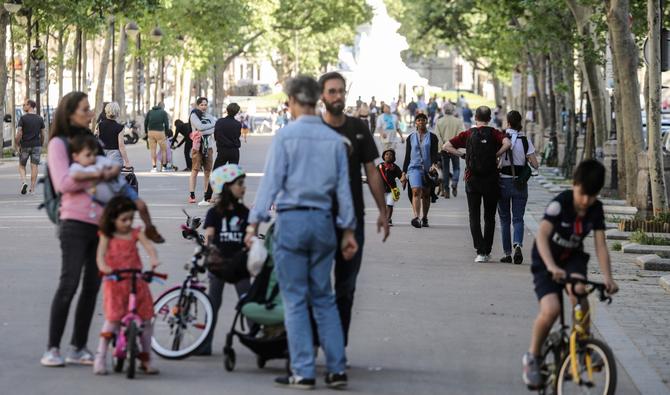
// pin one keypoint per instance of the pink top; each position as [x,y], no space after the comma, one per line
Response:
[76,203]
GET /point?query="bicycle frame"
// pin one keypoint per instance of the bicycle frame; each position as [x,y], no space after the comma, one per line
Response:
[122,342]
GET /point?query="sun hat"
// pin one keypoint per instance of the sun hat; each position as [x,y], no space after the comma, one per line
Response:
[224,175]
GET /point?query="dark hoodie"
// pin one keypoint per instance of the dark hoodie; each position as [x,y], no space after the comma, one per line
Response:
[157,120]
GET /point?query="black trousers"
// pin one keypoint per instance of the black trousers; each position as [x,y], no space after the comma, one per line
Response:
[188,146]
[224,156]
[477,193]
[79,242]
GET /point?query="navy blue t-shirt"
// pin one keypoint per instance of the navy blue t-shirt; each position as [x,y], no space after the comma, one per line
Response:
[229,228]
[569,229]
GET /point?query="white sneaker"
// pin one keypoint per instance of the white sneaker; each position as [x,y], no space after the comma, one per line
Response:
[154,170]
[52,358]
[80,357]
[481,258]
[204,203]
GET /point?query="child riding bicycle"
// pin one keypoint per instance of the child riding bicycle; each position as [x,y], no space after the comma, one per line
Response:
[558,252]
[117,249]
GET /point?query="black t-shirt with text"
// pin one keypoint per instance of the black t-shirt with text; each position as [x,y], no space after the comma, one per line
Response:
[229,228]
[31,126]
[363,150]
[569,229]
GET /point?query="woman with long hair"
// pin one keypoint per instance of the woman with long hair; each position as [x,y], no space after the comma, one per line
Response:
[202,154]
[78,233]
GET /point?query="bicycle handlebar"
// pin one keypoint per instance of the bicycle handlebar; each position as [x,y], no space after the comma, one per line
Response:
[594,286]
[117,275]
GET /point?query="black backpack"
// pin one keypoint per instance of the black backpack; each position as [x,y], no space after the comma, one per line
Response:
[480,152]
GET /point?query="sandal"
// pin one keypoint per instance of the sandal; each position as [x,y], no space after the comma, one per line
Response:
[149,370]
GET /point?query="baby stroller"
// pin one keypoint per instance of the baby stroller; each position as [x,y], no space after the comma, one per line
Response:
[262,309]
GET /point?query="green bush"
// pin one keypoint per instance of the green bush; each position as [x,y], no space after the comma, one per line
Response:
[641,237]
[616,246]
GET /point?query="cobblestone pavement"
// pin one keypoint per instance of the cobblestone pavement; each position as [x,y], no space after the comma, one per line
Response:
[641,308]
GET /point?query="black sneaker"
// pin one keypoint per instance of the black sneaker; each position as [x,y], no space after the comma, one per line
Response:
[518,255]
[336,380]
[24,188]
[296,382]
[424,222]
[454,191]
[390,222]
[416,223]
[506,259]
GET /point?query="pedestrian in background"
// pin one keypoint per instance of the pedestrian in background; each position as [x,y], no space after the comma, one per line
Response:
[446,129]
[420,155]
[513,193]
[305,194]
[110,134]
[388,128]
[157,125]
[78,232]
[202,126]
[184,129]
[467,116]
[484,145]
[29,138]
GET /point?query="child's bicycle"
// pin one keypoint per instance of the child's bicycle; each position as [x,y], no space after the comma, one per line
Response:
[183,314]
[574,362]
[132,326]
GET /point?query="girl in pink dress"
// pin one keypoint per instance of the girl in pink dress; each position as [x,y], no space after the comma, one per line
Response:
[117,250]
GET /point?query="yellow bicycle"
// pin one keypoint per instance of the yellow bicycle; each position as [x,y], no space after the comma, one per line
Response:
[574,362]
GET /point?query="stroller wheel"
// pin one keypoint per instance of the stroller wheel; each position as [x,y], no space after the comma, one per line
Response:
[229,359]
[260,362]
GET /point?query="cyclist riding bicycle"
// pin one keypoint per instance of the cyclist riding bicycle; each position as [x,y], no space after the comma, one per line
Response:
[558,252]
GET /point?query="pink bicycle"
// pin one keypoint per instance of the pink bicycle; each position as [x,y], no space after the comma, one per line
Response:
[126,341]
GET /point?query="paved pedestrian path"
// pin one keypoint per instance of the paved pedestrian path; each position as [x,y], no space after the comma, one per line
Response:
[427,320]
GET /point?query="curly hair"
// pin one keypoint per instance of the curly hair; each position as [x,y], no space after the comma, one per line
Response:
[113,210]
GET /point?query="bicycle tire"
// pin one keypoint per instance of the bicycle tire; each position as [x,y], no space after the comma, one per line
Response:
[551,357]
[132,349]
[609,366]
[173,351]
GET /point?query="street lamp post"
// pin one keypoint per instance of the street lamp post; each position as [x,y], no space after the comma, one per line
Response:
[133,31]
[156,36]
[13,7]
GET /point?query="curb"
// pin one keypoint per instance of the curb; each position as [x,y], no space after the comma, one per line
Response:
[664,282]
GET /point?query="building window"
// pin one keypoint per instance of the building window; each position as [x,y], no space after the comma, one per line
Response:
[241,71]
[459,73]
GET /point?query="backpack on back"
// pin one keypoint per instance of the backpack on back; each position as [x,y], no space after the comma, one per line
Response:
[51,198]
[480,152]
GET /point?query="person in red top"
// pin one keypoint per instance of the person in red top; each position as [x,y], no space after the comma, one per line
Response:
[117,250]
[484,145]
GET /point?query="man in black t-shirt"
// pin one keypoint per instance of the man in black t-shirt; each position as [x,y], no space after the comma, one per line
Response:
[558,252]
[363,152]
[29,138]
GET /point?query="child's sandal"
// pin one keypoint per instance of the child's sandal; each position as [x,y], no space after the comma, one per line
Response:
[149,370]
[99,367]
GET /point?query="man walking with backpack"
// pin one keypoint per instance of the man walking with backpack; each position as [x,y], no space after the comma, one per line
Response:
[483,145]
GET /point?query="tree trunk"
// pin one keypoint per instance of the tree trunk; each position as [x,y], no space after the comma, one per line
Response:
[618,123]
[60,60]
[498,92]
[28,62]
[626,53]
[4,21]
[75,59]
[102,72]
[568,71]
[591,71]
[83,84]
[653,99]
[120,70]
[147,84]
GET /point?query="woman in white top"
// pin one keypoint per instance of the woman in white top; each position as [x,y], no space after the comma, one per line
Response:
[389,129]
[514,195]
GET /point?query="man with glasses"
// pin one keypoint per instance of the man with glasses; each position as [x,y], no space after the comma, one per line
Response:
[363,152]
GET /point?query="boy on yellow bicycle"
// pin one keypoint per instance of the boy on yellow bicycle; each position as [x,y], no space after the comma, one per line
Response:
[558,252]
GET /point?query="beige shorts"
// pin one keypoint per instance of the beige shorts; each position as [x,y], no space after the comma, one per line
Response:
[157,138]
[197,158]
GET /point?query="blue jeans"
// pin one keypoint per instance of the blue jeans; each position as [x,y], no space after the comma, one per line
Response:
[304,251]
[455,162]
[514,198]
